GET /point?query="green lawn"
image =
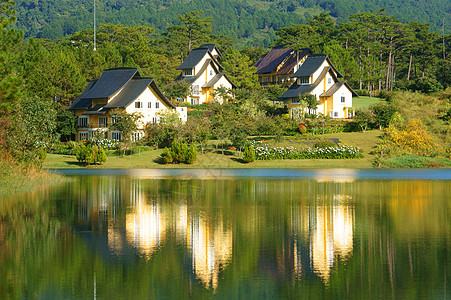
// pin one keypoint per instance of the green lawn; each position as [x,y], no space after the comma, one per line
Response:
[230,159]
[364,102]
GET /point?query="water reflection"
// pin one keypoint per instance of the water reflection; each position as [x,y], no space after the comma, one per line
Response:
[149,220]
[325,232]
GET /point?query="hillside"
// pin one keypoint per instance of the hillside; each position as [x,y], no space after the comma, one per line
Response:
[251,22]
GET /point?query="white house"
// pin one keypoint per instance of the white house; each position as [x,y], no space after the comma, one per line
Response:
[204,73]
[119,88]
[318,76]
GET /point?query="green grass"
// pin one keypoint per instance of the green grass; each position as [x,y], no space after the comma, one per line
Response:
[16,178]
[415,161]
[364,102]
[213,158]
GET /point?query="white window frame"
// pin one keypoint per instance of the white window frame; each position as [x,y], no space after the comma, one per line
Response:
[343,99]
[157,105]
[116,135]
[138,104]
[304,80]
[103,121]
[83,135]
[83,121]
[196,90]
[188,72]
[149,104]
[113,119]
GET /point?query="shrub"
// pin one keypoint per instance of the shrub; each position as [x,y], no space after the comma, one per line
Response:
[179,153]
[191,155]
[325,144]
[90,154]
[248,153]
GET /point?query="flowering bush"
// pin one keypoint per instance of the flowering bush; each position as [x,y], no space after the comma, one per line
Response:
[108,144]
[264,152]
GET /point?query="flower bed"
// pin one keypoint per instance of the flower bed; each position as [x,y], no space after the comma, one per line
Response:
[265,152]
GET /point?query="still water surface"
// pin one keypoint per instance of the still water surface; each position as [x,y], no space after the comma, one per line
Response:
[231,234]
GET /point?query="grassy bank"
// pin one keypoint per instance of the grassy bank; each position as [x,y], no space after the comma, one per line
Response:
[213,158]
[17,178]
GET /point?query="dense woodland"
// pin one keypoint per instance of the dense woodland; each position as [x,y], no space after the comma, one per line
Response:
[40,77]
[252,22]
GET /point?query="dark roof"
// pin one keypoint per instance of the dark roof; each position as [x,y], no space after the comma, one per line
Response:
[80,102]
[193,58]
[191,79]
[96,110]
[291,62]
[335,88]
[215,79]
[110,82]
[311,64]
[128,92]
[210,48]
[296,90]
[270,61]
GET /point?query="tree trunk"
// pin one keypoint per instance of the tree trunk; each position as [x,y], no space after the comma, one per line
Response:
[410,66]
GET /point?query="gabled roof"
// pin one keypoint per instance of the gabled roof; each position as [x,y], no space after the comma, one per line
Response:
[296,90]
[336,87]
[292,61]
[313,63]
[127,92]
[210,48]
[196,55]
[191,79]
[110,82]
[216,78]
[83,103]
[269,62]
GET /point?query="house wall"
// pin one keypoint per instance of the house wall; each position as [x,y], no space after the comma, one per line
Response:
[339,106]
[149,114]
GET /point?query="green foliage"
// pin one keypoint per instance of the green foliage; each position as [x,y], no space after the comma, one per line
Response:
[65,123]
[364,118]
[383,113]
[240,69]
[414,161]
[178,89]
[90,154]
[180,153]
[248,153]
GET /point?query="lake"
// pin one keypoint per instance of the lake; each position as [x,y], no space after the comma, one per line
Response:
[230,234]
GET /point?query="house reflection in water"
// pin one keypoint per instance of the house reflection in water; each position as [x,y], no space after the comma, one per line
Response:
[211,249]
[325,232]
[133,220]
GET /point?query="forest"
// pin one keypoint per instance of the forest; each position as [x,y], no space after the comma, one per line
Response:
[40,77]
[250,22]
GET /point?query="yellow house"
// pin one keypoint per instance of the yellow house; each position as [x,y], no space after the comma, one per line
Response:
[119,88]
[204,73]
[279,64]
[318,76]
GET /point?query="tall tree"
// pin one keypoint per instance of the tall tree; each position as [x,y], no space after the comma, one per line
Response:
[240,69]
[193,29]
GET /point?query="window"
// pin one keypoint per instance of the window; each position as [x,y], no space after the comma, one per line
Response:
[343,99]
[138,104]
[116,135]
[335,114]
[188,72]
[103,122]
[211,72]
[196,89]
[149,105]
[84,135]
[83,122]
[329,80]
[303,80]
[157,104]
[194,101]
[113,120]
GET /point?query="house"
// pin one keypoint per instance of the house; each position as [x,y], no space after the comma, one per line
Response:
[202,70]
[119,88]
[279,64]
[318,76]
